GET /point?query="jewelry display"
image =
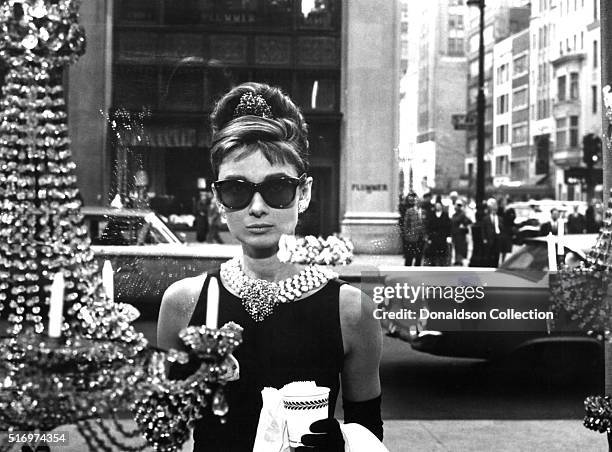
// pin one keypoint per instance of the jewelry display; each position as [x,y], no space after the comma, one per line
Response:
[72,355]
[260,297]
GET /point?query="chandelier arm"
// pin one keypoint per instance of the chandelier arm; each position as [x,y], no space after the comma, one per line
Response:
[123,430]
[114,440]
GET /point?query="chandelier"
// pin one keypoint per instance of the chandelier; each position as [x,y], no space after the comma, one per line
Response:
[71,354]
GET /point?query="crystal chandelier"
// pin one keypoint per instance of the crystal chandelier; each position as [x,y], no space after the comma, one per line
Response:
[71,354]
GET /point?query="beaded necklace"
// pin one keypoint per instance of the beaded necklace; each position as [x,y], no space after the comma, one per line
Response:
[259,297]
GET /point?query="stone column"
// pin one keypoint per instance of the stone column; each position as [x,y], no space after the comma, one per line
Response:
[370,107]
[89,98]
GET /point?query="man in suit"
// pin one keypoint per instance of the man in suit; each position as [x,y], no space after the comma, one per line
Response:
[553,225]
[492,226]
[576,223]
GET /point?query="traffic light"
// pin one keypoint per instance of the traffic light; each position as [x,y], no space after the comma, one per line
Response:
[591,149]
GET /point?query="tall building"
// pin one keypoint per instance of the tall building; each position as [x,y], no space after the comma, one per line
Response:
[502,19]
[574,54]
[155,69]
[438,66]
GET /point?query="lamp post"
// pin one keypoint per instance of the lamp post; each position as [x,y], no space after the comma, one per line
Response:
[477,252]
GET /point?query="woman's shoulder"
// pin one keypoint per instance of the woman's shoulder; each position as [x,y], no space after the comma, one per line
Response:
[356,307]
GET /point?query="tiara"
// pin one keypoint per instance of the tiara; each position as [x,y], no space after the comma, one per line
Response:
[252,104]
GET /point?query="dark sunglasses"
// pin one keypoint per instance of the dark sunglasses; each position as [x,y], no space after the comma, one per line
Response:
[278,192]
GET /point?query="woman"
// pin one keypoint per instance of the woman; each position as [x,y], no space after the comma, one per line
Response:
[438,236]
[327,333]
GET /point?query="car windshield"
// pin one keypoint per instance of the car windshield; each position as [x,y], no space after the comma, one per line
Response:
[532,256]
[107,230]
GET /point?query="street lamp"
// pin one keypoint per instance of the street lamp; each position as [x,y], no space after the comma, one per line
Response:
[477,252]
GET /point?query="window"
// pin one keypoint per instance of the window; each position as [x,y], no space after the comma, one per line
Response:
[573,131]
[561,133]
[561,81]
[455,21]
[519,134]
[501,134]
[520,65]
[519,98]
[502,73]
[501,165]
[595,95]
[502,104]
[595,54]
[472,145]
[574,91]
[455,46]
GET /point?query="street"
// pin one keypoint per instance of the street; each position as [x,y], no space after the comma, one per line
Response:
[419,386]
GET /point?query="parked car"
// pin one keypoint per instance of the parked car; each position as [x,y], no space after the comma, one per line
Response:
[146,255]
[531,214]
[520,284]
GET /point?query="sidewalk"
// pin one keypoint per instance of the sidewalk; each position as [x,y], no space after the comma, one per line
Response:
[455,436]
[486,436]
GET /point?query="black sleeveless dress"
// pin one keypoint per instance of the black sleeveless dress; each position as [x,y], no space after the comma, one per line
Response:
[301,340]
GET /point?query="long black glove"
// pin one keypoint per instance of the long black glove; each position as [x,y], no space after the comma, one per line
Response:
[366,413]
[326,437]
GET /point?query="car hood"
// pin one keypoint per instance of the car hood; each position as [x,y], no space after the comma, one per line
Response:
[453,276]
[171,250]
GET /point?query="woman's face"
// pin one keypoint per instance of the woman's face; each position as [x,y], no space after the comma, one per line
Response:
[258,226]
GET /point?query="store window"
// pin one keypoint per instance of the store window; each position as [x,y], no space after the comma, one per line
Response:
[318,93]
[320,14]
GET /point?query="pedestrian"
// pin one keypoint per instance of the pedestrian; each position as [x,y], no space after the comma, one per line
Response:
[576,223]
[553,225]
[508,230]
[298,323]
[593,217]
[413,231]
[438,238]
[201,215]
[491,234]
[459,229]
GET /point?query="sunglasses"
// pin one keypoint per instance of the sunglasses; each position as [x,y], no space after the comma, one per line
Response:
[278,192]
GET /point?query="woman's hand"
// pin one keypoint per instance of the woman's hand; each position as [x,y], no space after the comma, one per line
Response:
[326,437]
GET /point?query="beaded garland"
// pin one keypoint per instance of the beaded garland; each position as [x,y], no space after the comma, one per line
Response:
[259,297]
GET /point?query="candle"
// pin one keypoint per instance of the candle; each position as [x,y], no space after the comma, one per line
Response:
[212,303]
[107,280]
[56,306]
[560,234]
[552,255]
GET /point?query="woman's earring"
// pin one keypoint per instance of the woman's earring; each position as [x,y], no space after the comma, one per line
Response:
[302,206]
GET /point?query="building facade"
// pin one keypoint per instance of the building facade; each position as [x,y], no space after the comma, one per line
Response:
[433,86]
[158,67]
[502,19]
[575,83]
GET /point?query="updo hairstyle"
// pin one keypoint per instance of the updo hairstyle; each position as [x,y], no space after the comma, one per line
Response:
[281,138]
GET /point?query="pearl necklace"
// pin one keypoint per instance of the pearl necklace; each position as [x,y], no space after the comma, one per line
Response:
[259,297]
